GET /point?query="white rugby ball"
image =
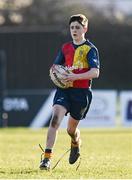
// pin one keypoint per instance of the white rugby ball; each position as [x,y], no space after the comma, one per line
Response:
[56,74]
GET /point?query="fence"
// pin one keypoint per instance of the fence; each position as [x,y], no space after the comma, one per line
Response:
[30,54]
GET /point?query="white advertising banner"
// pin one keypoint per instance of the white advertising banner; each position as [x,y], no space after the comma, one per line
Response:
[126,108]
[102,111]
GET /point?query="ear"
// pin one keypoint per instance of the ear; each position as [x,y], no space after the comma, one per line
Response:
[85,29]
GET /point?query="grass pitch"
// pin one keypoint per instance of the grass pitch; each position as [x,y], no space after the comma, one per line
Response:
[105,153]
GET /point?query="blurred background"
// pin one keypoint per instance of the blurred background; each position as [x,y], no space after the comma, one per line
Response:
[31,33]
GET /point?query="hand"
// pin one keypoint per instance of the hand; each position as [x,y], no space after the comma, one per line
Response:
[71,76]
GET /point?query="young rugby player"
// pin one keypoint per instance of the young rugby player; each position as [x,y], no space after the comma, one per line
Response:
[82,56]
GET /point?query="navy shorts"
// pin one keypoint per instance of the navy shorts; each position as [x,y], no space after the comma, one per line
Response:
[76,100]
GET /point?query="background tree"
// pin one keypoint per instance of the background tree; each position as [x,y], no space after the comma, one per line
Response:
[47,12]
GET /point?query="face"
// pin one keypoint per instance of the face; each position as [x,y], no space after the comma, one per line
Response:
[77,31]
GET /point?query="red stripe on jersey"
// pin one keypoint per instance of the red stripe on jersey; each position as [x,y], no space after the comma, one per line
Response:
[68,51]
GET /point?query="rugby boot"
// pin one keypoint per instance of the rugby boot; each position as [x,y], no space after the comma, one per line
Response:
[45,164]
[75,151]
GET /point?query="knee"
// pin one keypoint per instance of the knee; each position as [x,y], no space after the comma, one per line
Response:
[55,121]
[70,131]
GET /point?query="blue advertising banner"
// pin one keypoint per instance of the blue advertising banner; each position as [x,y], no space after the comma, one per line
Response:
[126,108]
[21,108]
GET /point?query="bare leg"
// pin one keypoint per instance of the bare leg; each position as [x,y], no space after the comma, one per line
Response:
[72,129]
[58,114]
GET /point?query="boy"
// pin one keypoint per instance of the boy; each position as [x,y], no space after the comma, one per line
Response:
[82,56]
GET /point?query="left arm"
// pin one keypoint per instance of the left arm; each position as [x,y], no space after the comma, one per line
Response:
[92,73]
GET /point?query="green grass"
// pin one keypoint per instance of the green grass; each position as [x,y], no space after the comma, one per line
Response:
[105,153]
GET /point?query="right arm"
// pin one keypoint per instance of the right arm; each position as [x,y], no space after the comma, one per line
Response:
[59,60]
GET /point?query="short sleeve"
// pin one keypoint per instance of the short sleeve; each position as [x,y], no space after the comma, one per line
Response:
[93,58]
[59,58]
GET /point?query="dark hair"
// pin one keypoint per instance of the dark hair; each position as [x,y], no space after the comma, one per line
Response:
[80,18]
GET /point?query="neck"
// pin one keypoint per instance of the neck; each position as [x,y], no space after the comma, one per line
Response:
[79,42]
